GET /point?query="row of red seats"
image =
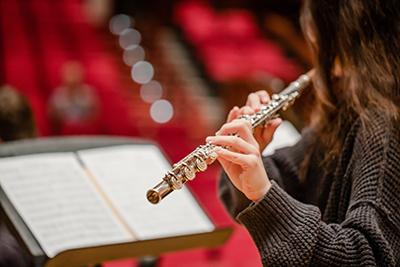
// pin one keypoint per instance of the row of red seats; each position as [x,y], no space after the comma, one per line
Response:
[230,44]
[38,37]
[20,70]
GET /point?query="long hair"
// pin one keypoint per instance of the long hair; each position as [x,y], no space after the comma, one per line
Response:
[363,38]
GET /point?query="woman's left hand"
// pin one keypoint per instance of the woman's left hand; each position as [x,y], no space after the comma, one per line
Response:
[242,161]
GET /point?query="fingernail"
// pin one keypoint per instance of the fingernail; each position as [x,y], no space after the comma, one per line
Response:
[209,139]
[217,133]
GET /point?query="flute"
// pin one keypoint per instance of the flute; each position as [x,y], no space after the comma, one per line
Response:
[198,160]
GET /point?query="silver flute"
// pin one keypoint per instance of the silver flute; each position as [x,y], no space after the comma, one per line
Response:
[198,160]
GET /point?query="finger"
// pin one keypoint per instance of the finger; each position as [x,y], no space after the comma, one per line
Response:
[233,114]
[233,142]
[245,161]
[254,101]
[246,110]
[257,99]
[270,128]
[229,168]
[264,96]
[240,127]
[224,163]
[258,133]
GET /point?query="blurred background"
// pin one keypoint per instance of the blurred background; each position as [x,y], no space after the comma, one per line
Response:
[168,71]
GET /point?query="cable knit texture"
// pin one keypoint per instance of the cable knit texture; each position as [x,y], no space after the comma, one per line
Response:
[347,217]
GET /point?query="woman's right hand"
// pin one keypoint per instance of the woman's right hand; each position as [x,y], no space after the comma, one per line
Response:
[263,133]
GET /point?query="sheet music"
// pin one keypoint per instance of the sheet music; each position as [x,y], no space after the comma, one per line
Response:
[60,205]
[125,173]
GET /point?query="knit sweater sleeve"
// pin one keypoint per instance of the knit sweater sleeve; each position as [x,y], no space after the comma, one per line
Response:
[290,233]
[282,167]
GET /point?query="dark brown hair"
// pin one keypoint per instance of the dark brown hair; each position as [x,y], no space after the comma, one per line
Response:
[363,38]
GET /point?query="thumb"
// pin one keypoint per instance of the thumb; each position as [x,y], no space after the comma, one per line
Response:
[224,163]
[270,128]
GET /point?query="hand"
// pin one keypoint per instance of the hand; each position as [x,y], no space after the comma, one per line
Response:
[242,162]
[264,133]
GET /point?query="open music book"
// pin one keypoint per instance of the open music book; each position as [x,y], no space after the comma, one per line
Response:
[96,197]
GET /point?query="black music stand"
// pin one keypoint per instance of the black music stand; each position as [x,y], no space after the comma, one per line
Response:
[100,254]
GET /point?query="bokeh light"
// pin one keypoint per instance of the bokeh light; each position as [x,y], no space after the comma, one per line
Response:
[151,91]
[142,72]
[161,111]
[119,23]
[129,37]
[133,54]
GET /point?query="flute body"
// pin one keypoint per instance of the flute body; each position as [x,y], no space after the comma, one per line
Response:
[198,160]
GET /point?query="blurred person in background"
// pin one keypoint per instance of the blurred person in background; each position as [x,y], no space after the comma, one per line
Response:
[16,118]
[16,123]
[333,198]
[74,106]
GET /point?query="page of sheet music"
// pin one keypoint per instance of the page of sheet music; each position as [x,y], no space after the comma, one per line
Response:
[125,173]
[60,205]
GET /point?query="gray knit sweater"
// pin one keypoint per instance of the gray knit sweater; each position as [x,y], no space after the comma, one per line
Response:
[347,217]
